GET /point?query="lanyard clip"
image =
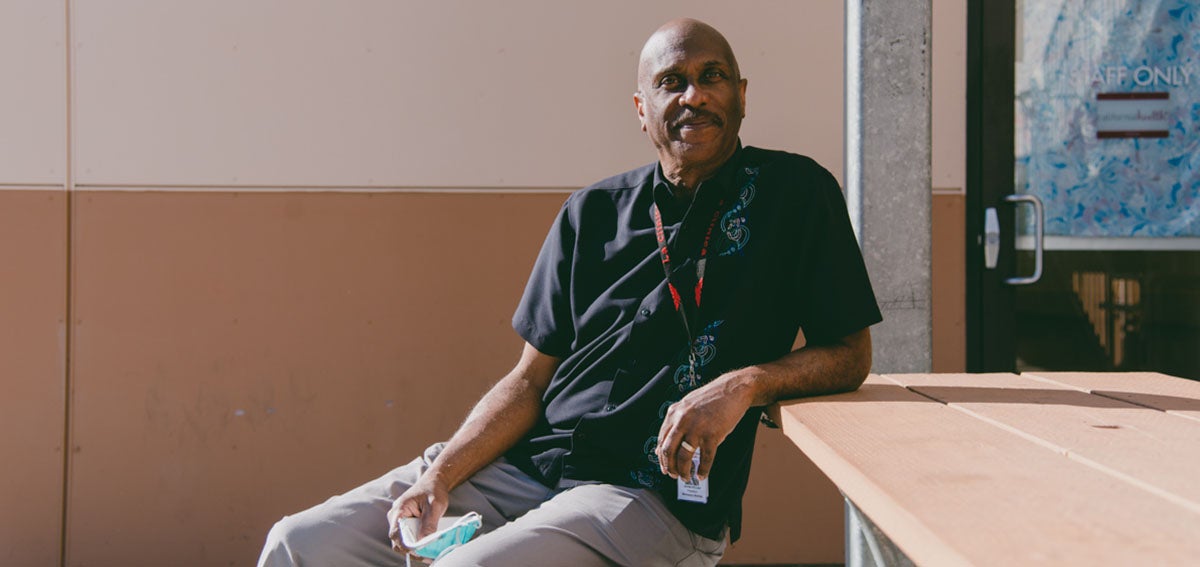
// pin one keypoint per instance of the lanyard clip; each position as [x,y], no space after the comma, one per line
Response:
[693,368]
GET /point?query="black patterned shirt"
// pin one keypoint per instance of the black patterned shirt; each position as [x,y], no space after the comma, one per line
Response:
[782,257]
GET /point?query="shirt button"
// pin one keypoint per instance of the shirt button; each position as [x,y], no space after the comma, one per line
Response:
[645,312]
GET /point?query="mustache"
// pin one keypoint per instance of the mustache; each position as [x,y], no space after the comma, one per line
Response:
[692,115]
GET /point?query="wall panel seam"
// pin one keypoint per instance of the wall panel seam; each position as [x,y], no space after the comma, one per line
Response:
[68,311]
[31,186]
[322,189]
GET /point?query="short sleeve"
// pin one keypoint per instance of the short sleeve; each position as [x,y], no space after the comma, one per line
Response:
[836,295]
[543,317]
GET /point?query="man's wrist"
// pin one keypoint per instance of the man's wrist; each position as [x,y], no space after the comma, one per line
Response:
[437,475]
[745,385]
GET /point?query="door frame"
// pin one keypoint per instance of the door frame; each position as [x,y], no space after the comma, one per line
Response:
[990,310]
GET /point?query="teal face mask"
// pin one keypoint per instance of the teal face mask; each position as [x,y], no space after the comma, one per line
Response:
[439,543]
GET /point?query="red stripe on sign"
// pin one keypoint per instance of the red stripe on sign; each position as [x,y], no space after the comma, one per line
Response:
[1132,134]
[1133,96]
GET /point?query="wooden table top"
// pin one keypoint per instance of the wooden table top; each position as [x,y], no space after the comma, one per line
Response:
[1005,469]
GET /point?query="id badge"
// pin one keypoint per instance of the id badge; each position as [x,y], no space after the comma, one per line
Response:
[693,489]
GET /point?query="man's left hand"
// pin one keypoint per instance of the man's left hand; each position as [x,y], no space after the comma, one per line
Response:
[702,419]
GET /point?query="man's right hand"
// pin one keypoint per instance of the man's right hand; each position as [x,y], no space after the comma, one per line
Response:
[427,500]
[499,420]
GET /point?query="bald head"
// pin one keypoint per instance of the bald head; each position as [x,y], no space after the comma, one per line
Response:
[680,36]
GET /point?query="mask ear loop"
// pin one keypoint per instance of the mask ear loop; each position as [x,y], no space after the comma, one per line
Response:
[448,549]
[408,556]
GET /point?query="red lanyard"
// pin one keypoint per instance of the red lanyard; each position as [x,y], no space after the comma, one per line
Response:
[666,262]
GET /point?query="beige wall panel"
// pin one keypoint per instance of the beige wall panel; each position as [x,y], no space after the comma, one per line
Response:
[949,94]
[949,283]
[524,93]
[33,107]
[32,356]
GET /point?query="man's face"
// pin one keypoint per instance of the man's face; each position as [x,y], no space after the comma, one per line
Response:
[690,100]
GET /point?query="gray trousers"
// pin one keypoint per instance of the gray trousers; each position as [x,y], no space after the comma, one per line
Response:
[524,524]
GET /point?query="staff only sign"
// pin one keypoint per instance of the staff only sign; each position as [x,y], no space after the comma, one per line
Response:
[1107,118]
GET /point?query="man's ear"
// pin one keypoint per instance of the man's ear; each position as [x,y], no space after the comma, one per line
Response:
[637,102]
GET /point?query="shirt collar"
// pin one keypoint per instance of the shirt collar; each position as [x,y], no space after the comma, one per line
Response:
[710,189]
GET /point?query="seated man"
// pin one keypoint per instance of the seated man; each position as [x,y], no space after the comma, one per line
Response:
[659,319]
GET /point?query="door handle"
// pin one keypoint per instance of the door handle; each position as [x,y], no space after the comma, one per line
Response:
[991,238]
[1038,223]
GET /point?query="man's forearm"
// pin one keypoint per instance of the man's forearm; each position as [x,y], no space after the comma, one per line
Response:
[498,421]
[840,366]
[704,417]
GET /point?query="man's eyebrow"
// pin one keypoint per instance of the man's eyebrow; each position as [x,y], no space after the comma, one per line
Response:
[676,68]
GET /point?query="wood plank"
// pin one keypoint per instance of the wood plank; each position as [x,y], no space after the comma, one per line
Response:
[950,489]
[1144,447]
[1176,396]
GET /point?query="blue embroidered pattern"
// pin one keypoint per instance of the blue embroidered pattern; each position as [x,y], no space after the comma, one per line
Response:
[733,223]
[705,349]
[734,227]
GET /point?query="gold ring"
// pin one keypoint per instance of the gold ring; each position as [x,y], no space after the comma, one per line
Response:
[687,446]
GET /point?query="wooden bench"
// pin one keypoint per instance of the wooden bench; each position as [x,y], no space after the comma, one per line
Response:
[1006,469]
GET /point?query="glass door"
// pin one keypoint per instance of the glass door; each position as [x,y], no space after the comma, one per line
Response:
[1084,178]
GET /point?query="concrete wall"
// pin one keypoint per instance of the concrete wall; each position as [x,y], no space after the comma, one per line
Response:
[256,253]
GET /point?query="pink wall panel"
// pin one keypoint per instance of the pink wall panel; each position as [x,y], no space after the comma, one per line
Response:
[243,356]
[522,93]
[949,283]
[33,102]
[33,299]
